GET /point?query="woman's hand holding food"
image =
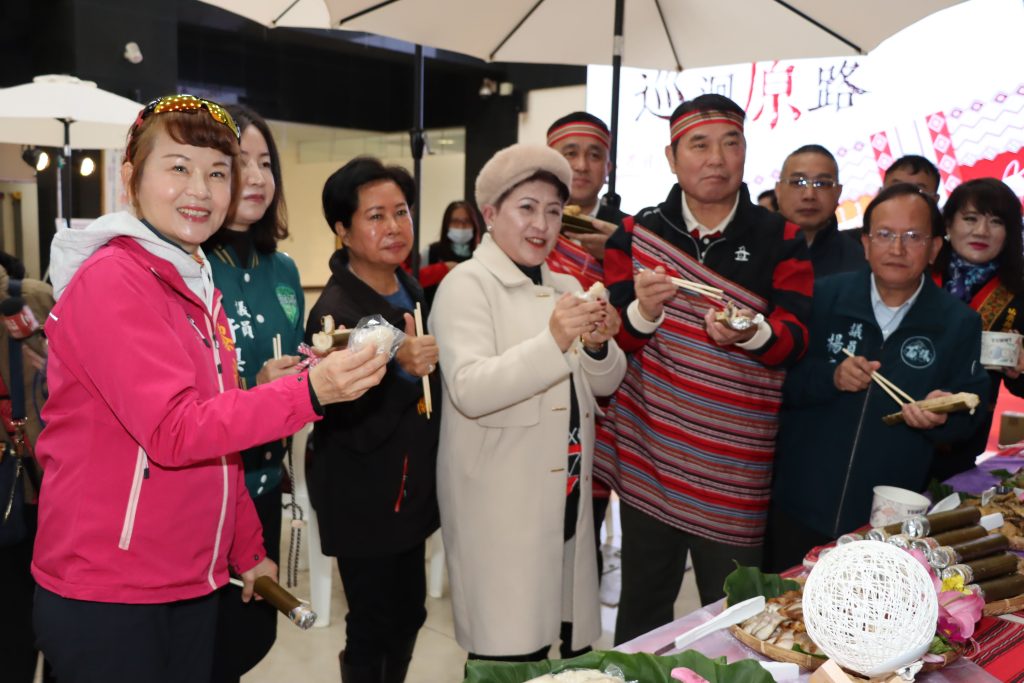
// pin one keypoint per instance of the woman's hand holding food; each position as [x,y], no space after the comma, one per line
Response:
[574,317]
[417,355]
[346,375]
[266,567]
[603,330]
[278,367]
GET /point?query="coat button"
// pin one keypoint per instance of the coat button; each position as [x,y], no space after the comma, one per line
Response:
[259,317]
[246,277]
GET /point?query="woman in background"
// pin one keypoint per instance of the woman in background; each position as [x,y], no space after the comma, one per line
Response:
[461,228]
[982,264]
[263,302]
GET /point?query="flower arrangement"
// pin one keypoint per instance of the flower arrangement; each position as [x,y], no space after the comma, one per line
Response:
[959,609]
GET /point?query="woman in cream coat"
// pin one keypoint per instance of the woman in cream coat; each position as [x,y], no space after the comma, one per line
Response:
[514,338]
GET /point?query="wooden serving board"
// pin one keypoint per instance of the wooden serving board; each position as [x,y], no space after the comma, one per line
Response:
[809,662]
[774,652]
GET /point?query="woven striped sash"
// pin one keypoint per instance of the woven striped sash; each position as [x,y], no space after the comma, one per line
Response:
[692,428]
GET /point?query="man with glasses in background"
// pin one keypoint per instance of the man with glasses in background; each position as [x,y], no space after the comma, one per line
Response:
[808,194]
[833,447]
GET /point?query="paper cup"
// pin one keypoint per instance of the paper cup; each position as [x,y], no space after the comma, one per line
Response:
[892,505]
[1000,349]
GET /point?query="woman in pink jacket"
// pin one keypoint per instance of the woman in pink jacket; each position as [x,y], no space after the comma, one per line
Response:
[144,509]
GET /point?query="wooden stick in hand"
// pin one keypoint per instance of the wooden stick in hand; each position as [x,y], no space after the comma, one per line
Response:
[428,403]
[894,391]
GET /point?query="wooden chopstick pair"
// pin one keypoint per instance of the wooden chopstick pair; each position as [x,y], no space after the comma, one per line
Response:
[418,315]
[894,391]
[695,287]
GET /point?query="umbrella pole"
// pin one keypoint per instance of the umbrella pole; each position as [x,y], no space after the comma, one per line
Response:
[612,199]
[417,142]
[64,174]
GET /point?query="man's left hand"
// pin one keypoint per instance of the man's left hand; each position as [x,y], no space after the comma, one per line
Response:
[918,418]
[722,334]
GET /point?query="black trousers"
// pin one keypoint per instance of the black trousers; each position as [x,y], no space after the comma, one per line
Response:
[18,652]
[653,564]
[98,642]
[787,540]
[246,631]
[386,597]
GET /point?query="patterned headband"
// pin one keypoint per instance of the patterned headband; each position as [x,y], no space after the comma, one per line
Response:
[581,128]
[687,122]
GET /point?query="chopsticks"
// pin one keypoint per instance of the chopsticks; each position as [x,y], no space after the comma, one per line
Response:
[277,346]
[418,314]
[894,391]
[696,287]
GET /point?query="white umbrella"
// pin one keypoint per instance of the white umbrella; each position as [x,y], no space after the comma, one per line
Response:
[63,111]
[662,34]
[34,114]
[279,13]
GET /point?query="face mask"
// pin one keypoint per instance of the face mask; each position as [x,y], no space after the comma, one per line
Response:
[460,235]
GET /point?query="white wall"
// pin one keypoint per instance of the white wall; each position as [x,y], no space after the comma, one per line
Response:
[304,173]
[17,176]
[544,107]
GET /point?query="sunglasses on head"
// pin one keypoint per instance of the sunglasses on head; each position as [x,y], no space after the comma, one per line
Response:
[188,104]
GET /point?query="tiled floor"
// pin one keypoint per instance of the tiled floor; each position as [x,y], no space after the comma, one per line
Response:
[312,656]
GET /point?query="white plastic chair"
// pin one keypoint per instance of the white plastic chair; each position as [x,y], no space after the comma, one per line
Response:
[320,569]
[435,577]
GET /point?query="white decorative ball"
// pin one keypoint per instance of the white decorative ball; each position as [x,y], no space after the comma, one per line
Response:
[871,607]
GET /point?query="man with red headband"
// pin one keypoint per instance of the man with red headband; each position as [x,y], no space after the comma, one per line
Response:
[693,425]
[584,140]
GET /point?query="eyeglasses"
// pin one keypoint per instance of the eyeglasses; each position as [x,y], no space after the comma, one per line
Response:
[911,239]
[818,184]
[187,103]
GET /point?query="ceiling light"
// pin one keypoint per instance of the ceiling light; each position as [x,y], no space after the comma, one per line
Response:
[87,166]
[36,158]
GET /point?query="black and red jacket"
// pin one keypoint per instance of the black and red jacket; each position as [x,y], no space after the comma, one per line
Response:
[758,250]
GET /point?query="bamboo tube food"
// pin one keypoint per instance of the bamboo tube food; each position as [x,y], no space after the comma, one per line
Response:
[939,522]
[967,533]
[1001,588]
[284,602]
[881,533]
[983,568]
[943,556]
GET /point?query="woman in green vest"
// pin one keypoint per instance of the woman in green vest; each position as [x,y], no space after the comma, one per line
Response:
[262,300]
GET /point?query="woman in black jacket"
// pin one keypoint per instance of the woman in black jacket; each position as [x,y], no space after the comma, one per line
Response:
[461,230]
[373,471]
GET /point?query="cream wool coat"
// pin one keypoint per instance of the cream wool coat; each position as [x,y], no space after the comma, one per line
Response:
[501,466]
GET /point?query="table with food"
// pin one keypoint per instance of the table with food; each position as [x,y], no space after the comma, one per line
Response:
[852,611]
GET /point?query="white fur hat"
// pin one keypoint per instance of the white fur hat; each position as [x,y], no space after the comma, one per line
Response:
[513,165]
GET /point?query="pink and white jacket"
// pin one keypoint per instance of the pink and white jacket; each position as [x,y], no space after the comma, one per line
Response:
[143,497]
